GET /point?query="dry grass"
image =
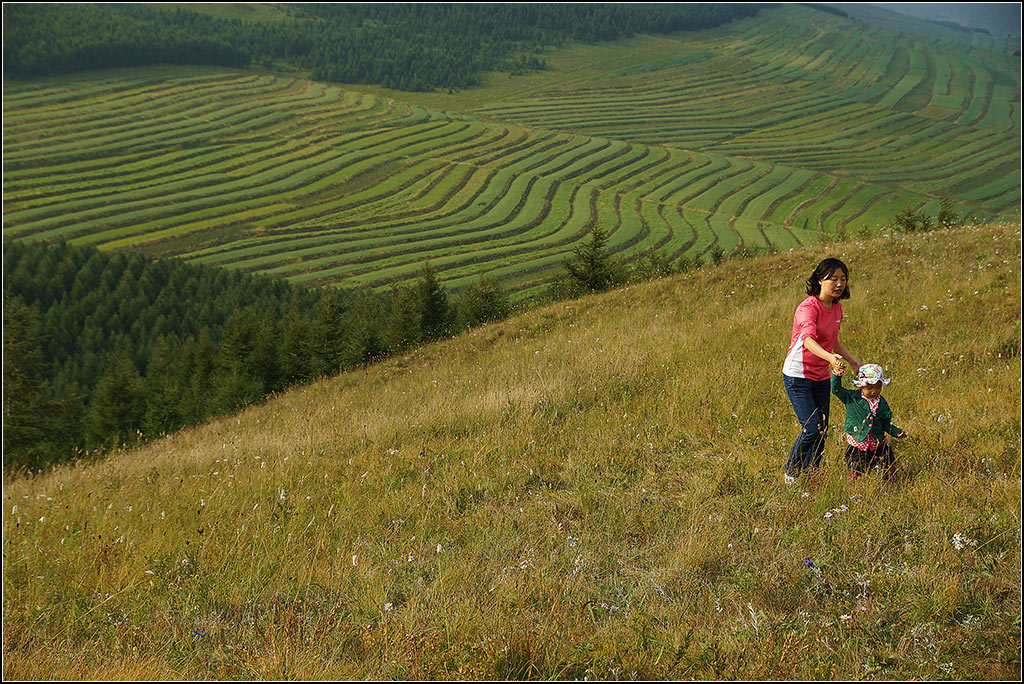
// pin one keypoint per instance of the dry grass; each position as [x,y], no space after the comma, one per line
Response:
[591,489]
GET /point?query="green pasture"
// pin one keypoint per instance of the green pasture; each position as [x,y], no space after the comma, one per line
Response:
[778,129]
[473,224]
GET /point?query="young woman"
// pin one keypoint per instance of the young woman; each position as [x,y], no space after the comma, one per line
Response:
[814,350]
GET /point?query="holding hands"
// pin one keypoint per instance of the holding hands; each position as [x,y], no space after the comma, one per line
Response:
[838,364]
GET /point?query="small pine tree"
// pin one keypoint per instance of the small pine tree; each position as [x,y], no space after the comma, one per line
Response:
[593,270]
[327,336]
[482,302]
[435,310]
[404,320]
[653,264]
[905,221]
[947,216]
[717,255]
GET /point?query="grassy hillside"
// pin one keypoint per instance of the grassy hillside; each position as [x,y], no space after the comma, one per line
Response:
[777,130]
[592,489]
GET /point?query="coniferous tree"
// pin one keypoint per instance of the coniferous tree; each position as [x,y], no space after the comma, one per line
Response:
[24,427]
[163,390]
[367,339]
[593,269]
[947,216]
[482,302]
[404,319]
[235,382]
[435,310]
[197,376]
[327,335]
[118,405]
[295,355]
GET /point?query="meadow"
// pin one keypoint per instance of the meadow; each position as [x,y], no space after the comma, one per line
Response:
[774,132]
[590,489]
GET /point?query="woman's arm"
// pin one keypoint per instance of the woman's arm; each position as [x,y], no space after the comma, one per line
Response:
[850,358]
[812,346]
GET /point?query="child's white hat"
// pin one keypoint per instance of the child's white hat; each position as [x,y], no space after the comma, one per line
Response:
[869,374]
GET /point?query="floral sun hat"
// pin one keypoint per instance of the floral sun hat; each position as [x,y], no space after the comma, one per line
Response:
[869,374]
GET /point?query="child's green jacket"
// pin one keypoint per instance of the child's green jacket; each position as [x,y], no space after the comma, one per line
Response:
[859,423]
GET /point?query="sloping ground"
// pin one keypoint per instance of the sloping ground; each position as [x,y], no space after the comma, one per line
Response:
[589,490]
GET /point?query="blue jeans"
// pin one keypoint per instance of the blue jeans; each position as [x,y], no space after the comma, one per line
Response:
[810,400]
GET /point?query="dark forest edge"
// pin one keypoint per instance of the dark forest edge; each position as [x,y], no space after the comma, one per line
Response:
[105,350]
[108,350]
[413,47]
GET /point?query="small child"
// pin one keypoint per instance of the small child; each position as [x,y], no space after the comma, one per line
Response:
[868,419]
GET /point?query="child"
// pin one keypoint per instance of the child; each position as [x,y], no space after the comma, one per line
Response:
[868,419]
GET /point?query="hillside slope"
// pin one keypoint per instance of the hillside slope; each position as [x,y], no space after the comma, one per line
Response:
[592,489]
[778,131]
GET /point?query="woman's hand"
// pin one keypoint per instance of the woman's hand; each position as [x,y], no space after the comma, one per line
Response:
[838,364]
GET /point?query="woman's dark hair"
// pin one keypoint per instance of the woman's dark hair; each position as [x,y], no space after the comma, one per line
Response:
[824,271]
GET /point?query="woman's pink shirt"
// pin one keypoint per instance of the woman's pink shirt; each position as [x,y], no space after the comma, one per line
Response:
[812,319]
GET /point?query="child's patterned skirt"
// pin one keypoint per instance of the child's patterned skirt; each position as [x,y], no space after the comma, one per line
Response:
[861,461]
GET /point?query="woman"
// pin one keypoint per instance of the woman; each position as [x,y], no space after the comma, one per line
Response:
[814,350]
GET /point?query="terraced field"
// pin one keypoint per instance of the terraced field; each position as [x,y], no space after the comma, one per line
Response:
[804,89]
[775,130]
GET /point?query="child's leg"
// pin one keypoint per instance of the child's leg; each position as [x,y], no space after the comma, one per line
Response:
[885,459]
[857,460]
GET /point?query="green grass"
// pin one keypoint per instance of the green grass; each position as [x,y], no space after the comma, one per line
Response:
[589,490]
[796,122]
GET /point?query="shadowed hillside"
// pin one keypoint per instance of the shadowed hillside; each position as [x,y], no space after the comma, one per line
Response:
[592,489]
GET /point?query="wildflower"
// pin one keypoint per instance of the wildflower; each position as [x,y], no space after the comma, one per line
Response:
[410,559]
[844,618]
[197,634]
[960,541]
[808,563]
[388,607]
